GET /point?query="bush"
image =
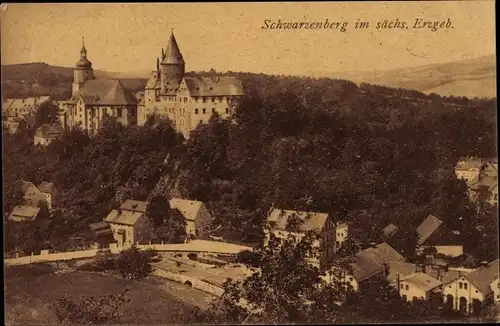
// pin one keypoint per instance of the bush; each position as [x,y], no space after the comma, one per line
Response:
[134,264]
[248,257]
[193,256]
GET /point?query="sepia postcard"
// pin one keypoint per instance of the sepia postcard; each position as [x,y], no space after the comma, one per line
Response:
[250,163]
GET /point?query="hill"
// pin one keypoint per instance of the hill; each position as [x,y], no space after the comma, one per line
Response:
[39,79]
[470,78]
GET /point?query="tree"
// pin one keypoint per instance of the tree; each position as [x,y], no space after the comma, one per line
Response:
[91,310]
[134,264]
[158,210]
[172,230]
[47,112]
[294,223]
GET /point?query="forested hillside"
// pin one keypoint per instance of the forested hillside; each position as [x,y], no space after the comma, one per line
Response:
[369,155]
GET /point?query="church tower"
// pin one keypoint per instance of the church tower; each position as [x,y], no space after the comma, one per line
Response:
[172,66]
[83,70]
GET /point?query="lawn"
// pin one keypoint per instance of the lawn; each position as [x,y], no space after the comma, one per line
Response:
[30,290]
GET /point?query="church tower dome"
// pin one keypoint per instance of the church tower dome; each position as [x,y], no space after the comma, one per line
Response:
[83,70]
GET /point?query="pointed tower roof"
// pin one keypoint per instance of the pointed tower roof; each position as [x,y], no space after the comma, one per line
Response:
[172,54]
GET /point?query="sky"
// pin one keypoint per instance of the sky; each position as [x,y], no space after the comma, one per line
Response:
[229,36]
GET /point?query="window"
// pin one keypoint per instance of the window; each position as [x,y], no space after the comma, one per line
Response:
[401,286]
[213,99]
[337,244]
[465,286]
[185,100]
[407,287]
[227,110]
[414,298]
[119,112]
[460,285]
[204,111]
[350,279]
[195,111]
[405,298]
[204,100]
[213,110]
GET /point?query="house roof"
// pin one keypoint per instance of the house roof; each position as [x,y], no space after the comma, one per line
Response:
[371,261]
[427,227]
[311,220]
[49,131]
[23,186]
[468,164]
[188,208]
[389,230]
[489,181]
[101,229]
[214,86]
[400,267]
[422,281]
[121,216]
[172,54]
[153,81]
[23,212]
[23,103]
[105,92]
[134,206]
[482,277]
[46,187]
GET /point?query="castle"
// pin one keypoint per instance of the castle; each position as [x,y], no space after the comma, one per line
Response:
[185,100]
[169,92]
[94,98]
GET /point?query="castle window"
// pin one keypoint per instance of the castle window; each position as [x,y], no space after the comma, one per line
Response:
[195,111]
[204,111]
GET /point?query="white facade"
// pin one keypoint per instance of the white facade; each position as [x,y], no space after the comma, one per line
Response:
[461,293]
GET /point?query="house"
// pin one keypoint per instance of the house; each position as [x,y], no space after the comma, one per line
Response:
[48,191]
[46,133]
[129,223]
[480,174]
[417,286]
[17,107]
[332,233]
[372,262]
[31,194]
[23,213]
[431,233]
[467,293]
[102,234]
[389,231]
[198,218]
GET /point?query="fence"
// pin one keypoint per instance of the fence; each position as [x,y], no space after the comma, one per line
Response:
[201,246]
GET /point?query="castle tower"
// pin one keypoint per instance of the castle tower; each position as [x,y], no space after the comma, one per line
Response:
[83,70]
[172,66]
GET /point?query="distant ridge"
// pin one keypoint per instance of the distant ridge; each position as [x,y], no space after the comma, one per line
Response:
[471,77]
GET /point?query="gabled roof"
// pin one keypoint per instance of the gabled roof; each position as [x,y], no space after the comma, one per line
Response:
[120,216]
[105,92]
[134,206]
[153,81]
[468,164]
[46,187]
[422,281]
[214,86]
[311,220]
[172,54]
[427,227]
[370,262]
[188,208]
[24,213]
[23,186]
[389,230]
[482,277]
[400,267]
[49,131]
